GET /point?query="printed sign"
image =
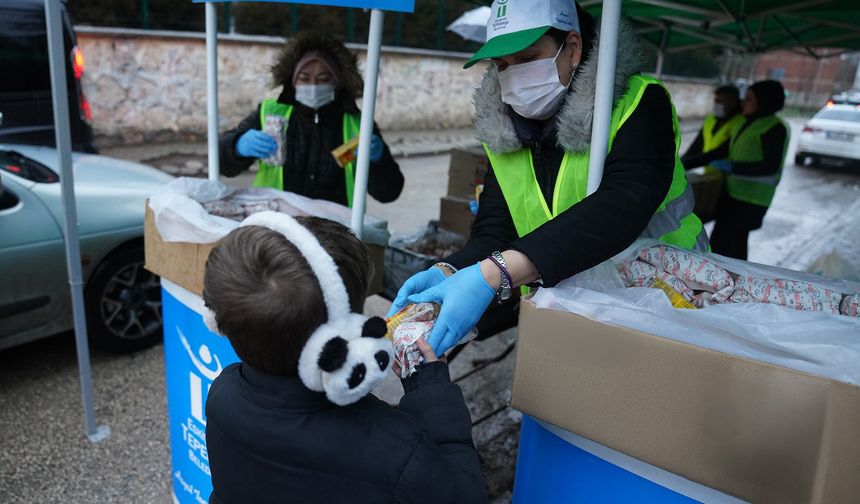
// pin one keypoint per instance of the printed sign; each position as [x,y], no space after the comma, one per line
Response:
[193,358]
[389,5]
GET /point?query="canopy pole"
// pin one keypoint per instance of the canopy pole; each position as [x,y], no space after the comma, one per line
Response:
[57,58]
[661,50]
[368,107]
[212,88]
[609,21]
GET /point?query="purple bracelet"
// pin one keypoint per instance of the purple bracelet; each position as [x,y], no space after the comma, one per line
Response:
[503,270]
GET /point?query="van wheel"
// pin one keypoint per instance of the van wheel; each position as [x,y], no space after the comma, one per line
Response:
[124,303]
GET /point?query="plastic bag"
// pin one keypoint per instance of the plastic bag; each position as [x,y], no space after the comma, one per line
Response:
[407,326]
[814,342]
[180,214]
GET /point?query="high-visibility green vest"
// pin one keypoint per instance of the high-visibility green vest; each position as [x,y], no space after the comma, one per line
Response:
[674,221]
[269,175]
[712,139]
[746,147]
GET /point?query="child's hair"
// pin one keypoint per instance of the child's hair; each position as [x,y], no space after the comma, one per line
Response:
[267,299]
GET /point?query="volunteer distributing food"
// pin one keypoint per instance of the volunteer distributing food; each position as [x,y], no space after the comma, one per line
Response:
[292,137]
[535,224]
[752,160]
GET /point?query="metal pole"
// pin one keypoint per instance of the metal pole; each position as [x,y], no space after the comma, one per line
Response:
[144,14]
[661,50]
[368,107]
[212,88]
[57,58]
[609,20]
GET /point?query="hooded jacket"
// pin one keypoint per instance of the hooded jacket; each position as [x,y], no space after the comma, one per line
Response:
[637,171]
[309,168]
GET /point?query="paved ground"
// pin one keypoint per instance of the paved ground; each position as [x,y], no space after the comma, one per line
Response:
[44,456]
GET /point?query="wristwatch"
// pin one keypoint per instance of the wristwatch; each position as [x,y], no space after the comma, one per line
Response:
[505,287]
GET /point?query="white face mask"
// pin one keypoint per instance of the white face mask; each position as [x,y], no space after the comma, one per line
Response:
[719,110]
[314,95]
[532,89]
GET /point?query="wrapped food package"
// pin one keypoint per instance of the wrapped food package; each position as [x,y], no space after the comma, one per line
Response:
[851,306]
[639,273]
[698,273]
[275,127]
[407,326]
[793,294]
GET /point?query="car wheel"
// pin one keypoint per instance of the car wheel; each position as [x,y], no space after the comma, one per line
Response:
[124,303]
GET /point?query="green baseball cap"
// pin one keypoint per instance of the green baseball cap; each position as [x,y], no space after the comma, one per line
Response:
[517,24]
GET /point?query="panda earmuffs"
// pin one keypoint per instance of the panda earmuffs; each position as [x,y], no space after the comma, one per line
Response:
[347,356]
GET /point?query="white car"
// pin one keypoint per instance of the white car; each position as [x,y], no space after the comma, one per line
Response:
[123,300]
[831,137]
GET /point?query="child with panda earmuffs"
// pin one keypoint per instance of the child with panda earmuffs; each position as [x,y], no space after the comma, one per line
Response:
[295,420]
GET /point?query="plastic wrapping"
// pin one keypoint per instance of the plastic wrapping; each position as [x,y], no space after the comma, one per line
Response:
[815,342]
[275,127]
[407,326]
[181,216]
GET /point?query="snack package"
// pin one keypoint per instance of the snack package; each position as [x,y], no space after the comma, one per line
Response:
[275,127]
[793,294]
[407,326]
[346,153]
[639,273]
[696,272]
[851,306]
[675,297]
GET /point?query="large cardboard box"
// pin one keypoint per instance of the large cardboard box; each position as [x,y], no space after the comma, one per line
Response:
[753,430]
[465,171]
[454,215]
[185,263]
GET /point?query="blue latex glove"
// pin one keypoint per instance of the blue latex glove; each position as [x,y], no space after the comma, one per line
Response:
[473,207]
[419,282]
[724,165]
[256,144]
[376,147]
[464,296]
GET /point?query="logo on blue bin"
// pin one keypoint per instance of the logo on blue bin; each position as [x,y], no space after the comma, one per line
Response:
[194,357]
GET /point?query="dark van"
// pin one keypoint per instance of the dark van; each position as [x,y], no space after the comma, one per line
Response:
[25,78]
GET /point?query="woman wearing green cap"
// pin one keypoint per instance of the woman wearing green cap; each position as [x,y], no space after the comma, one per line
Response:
[535,224]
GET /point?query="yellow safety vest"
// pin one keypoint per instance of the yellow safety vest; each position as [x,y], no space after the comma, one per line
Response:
[269,175]
[746,147]
[674,221]
[713,139]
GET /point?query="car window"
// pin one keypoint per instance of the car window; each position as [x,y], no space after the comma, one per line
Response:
[839,115]
[30,169]
[24,51]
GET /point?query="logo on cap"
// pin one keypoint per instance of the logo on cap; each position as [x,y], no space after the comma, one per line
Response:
[503,9]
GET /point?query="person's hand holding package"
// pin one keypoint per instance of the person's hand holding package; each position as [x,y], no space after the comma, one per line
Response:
[464,297]
[255,144]
[419,282]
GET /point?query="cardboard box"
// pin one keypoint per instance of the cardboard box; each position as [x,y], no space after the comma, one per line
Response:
[707,189]
[185,263]
[454,215]
[465,171]
[753,430]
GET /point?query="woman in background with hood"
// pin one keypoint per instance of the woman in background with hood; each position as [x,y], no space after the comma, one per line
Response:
[756,154]
[535,224]
[320,84]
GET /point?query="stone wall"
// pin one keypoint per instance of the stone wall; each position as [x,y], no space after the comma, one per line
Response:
[151,86]
[147,86]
